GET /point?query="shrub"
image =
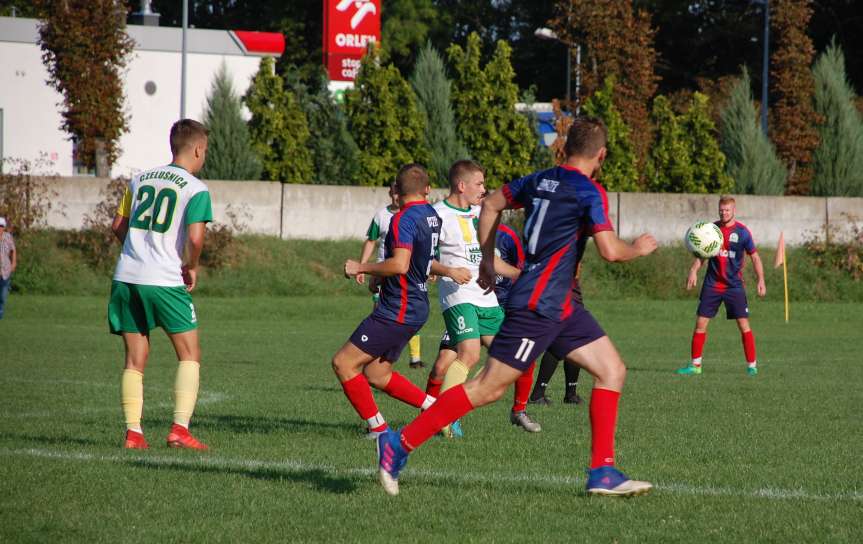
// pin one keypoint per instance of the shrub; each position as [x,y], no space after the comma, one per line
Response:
[25,195]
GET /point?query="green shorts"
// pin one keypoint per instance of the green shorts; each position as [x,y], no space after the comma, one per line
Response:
[141,308]
[465,321]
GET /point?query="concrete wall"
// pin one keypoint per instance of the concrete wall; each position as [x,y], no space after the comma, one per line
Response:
[341,212]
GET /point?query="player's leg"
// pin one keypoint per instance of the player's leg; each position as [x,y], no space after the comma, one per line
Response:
[518,415]
[416,352]
[381,376]
[462,325]
[547,366]
[571,373]
[348,364]
[707,308]
[446,355]
[737,307]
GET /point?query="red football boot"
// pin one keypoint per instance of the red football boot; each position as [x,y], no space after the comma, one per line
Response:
[135,441]
[179,437]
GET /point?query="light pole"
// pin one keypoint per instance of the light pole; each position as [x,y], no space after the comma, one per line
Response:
[544,33]
[765,62]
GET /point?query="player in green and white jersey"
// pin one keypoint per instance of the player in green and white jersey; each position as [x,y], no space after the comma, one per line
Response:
[375,235]
[163,213]
[472,315]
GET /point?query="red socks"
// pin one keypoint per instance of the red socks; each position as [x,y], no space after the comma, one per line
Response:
[450,406]
[360,396]
[522,389]
[698,339]
[404,390]
[748,346]
[603,422]
[433,387]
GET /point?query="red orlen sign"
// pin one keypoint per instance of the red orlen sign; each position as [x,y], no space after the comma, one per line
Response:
[349,27]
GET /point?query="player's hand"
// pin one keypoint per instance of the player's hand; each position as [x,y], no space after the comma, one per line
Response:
[460,275]
[433,278]
[190,277]
[352,268]
[692,280]
[762,288]
[645,244]
[361,278]
[487,277]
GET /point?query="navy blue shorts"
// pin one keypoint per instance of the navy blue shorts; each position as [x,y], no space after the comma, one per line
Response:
[525,335]
[383,338]
[735,302]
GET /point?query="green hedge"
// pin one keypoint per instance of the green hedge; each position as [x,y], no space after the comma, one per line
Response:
[270,267]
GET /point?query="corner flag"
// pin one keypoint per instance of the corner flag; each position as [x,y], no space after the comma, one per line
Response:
[781,260]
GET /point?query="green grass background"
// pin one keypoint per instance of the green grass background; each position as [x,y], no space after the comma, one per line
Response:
[774,458]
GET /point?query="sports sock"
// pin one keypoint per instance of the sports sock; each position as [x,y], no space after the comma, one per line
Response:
[452,405]
[749,347]
[132,398]
[360,396]
[186,391]
[571,372]
[433,387]
[522,389]
[456,374]
[416,352]
[404,390]
[546,371]
[603,423]
[698,339]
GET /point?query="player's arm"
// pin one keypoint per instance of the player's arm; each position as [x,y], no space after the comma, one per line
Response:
[692,277]
[459,275]
[489,218]
[614,250]
[194,246]
[399,263]
[759,273]
[120,225]
[505,269]
[366,253]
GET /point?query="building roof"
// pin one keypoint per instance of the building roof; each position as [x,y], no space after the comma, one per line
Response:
[163,38]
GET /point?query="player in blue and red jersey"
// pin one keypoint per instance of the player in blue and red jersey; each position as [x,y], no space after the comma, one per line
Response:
[411,244]
[723,283]
[563,205]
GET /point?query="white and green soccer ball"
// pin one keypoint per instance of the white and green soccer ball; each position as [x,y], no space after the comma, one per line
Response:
[703,239]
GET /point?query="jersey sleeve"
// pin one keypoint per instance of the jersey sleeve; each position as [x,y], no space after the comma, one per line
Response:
[125,207]
[597,211]
[200,209]
[749,243]
[374,231]
[516,193]
[402,230]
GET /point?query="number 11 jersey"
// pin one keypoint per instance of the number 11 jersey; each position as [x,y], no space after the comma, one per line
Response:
[160,204]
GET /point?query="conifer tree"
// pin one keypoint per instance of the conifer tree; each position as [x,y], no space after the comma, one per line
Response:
[619,172]
[484,101]
[839,156]
[388,126]
[708,161]
[229,153]
[432,88]
[751,160]
[278,128]
[670,166]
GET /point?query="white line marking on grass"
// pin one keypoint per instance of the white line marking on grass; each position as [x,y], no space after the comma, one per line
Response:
[292,466]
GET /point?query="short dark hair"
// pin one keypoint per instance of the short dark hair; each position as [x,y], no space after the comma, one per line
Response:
[412,179]
[586,136]
[461,168]
[186,132]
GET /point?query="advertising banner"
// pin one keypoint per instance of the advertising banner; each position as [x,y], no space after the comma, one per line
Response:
[349,27]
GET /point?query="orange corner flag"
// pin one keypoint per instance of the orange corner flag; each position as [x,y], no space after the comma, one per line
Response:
[780,251]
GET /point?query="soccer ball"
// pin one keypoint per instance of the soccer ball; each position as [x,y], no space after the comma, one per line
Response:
[703,239]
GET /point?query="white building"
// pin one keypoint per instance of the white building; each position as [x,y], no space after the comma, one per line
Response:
[30,108]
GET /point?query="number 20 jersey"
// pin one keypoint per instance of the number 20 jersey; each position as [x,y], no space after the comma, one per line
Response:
[160,204]
[562,207]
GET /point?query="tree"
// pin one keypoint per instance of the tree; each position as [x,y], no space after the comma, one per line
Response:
[384,118]
[792,117]
[619,171]
[405,28]
[278,129]
[617,41]
[670,165]
[84,48]
[838,161]
[229,154]
[751,159]
[432,89]
[708,161]
[484,100]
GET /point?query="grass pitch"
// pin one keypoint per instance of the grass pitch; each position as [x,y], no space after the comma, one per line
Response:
[770,458]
